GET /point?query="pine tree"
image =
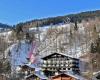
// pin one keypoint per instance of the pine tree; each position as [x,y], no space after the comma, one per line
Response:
[98,45]
[93,48]
[76,27]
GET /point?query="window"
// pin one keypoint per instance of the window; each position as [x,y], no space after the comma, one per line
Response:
[66,65]
[62,65]
[44,62]
[64,68]
[44,65]
[68,68]
[57,65]
[49,61]
[49,65]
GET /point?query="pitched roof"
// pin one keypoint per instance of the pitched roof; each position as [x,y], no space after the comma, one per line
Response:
[46,57]
[38,74]
[70,75]
[37,68]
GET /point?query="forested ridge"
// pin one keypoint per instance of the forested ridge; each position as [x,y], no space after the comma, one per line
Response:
[56,20]
[5,25]
[60,19]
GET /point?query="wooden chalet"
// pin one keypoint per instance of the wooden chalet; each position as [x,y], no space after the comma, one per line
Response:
[27,69]
[59,63]
[32,72]
[63,77]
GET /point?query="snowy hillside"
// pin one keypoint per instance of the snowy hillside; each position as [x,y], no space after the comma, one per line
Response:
[50,39]
[21,49]
[18,54]
[58,36]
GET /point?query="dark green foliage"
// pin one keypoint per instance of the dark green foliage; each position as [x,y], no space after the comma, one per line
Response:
[95,47]
[76,27]
[98,45]
[60,19]
[4,66]
[94,28]
[27,36]
[5,26]
[18,31]
[19,28]
[71,33]
[56,20]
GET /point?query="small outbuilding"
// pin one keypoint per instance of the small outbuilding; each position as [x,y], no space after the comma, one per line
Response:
[36,76]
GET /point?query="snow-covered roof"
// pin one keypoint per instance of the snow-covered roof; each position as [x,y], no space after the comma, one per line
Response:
[76,76]
[38,74]
[60,54]
[68,55]
[34,66]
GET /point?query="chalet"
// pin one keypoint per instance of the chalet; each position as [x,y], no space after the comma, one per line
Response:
[59,63]
[27,69]
[63,77]
[67,76]
[32,72]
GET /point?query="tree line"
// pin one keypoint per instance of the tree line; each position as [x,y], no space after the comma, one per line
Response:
[60,19]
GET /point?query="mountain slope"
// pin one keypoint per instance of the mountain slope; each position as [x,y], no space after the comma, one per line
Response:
[4,26]
[61,19]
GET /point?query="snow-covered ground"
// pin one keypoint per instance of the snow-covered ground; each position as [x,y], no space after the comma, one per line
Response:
[76,50]
[19,51]
[5,35]
[18,54]
[23,48]
[95,74]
